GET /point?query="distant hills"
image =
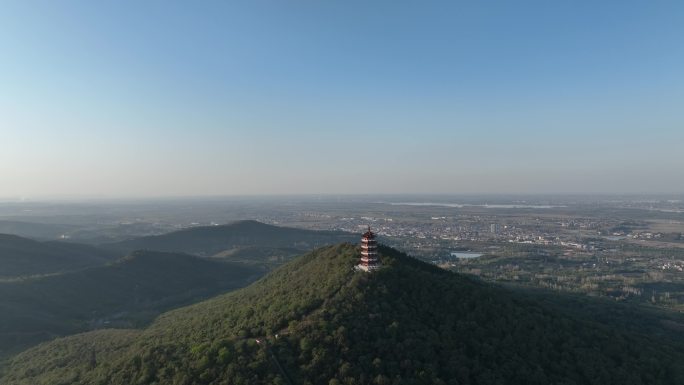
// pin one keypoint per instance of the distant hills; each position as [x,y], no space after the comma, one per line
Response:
[126,293]
[317,321]
[25,257]
[54,288]
[242,241]
[44,231]
[265,241]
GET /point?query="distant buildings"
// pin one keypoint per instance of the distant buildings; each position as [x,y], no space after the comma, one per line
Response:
[494,228]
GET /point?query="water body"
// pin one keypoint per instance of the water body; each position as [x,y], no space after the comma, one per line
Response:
[615,237]
[465,255]
[459,205]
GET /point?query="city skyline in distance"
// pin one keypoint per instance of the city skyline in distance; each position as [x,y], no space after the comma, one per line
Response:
[152,100]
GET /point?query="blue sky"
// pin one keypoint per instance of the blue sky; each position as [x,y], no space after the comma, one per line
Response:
[155,98]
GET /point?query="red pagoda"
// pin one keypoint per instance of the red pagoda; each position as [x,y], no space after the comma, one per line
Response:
[369,252]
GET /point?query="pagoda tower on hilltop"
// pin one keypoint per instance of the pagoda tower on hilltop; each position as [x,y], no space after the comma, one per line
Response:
[369,252]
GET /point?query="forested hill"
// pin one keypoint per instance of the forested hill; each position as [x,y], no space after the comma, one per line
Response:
[25,257]
[321,322]
[209,240]
[128,292]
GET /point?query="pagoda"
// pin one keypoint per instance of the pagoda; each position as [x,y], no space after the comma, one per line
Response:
[369,252]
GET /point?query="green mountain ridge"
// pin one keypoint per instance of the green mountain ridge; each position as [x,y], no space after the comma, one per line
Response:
[57,288]
[26,257]
[124,293]
[210,240]
[321,322]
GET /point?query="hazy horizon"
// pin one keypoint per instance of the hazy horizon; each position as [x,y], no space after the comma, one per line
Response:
[393,198]
[146,100]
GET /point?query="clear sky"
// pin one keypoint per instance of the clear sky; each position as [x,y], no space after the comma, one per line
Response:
[159,98]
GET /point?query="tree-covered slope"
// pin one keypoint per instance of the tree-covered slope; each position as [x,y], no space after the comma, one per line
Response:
[321,322]
[125,293]
[25,257]
[209,240]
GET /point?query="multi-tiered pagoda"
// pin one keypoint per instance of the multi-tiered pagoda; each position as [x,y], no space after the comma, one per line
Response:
[369,252]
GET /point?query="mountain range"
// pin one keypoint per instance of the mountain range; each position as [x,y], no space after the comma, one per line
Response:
[126,293]
[50,289]
[316,320]
[232,238]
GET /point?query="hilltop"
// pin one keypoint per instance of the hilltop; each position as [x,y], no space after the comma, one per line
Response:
[24,257]
[320,322]
[242,240]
